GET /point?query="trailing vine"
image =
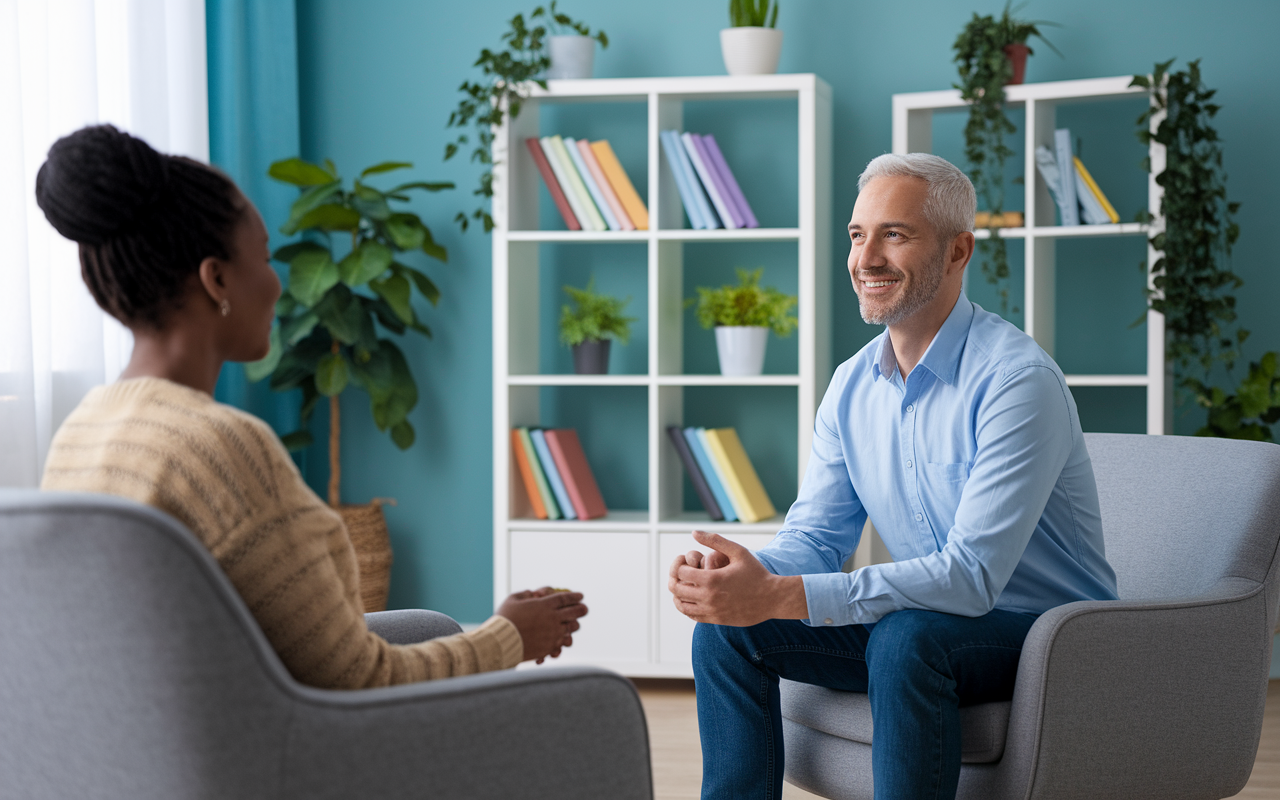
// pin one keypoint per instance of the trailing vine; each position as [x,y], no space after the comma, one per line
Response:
[984,71]
[1192,282]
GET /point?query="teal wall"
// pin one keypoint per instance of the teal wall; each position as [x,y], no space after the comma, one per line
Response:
[377,81]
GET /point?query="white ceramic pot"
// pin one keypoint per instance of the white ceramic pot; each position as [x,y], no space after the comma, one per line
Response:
[741,349]
[750,50]
[571,56]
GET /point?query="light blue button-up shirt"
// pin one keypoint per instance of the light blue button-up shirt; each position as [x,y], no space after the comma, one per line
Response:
[974,471]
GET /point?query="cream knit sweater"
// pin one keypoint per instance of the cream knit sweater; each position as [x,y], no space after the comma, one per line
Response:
[224,474]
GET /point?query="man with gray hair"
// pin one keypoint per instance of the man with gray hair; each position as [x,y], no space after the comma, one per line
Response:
[956,433]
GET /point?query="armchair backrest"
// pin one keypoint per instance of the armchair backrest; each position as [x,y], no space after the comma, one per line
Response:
[1182,514]
[127,660]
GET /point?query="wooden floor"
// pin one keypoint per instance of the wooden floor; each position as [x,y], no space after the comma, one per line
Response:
[677,754]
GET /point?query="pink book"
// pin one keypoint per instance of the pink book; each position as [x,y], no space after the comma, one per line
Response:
[553,185]
[566,450]
[726,175]
[610,197]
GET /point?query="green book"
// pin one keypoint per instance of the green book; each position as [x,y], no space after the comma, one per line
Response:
[539,477]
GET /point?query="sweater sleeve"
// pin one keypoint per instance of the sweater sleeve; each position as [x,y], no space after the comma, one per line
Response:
[293,564]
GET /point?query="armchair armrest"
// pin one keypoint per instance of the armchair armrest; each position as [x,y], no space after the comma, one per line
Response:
[1096,677]
[558,732]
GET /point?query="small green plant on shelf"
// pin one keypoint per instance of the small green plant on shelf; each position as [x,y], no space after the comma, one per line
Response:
[593,317]
[508,76]
[753,13]
[334,307]
[985,65]
[1192,282]
[745,305]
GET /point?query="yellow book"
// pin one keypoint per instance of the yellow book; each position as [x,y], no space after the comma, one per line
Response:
[621,184]
[744,484]
[1093,187]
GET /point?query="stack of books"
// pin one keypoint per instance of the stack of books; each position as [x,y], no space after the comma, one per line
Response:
[722,474]
[1077,194]
[708,189]
[588,185]
[555,474]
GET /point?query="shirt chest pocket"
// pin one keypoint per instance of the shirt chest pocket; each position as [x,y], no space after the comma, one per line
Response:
[956,472]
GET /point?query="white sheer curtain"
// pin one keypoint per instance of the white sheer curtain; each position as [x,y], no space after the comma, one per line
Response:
[138,64]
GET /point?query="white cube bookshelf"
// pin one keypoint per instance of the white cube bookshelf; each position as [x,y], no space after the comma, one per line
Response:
[621,561]
[912,133]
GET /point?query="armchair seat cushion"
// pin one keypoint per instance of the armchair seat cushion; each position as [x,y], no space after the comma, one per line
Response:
[847,715]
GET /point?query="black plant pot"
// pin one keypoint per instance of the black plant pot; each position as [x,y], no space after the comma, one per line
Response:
[591,358]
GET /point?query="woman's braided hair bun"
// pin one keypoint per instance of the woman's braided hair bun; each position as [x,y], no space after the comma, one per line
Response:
[144,220]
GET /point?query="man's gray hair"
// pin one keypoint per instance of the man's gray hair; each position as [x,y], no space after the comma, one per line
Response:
[951,203]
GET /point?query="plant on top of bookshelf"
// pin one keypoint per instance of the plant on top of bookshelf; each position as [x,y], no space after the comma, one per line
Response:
[752,43]
[1193,285]
[753,13]
[508,76]
[589,327]
[742,316]
[990,54]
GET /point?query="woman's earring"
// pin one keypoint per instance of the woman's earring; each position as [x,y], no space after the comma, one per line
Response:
[225,307]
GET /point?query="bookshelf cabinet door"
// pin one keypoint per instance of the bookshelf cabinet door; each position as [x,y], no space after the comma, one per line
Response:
[610,569]
[675,630]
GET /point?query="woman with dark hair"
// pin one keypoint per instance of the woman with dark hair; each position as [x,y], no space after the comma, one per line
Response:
[172,249]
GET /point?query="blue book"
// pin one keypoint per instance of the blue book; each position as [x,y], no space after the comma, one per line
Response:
[553,474]
[609,219]
[1066,171]
[709,472]
[687,183]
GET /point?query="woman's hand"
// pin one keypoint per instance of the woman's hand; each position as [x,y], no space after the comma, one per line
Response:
[546,619]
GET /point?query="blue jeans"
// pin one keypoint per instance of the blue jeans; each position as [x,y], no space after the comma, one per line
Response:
[917,667]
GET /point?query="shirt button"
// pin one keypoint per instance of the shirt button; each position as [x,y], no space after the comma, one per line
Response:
[827,621]
[919,517]
[908,465]
[910,408]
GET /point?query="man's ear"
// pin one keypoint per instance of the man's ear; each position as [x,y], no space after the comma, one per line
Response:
[212,278]
[960,252]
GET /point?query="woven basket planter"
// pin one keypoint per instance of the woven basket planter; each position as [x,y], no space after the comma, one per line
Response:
[367,528]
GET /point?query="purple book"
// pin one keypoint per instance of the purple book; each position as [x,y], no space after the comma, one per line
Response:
[726,176]
[735,218]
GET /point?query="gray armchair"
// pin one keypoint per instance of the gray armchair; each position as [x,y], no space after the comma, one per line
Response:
[129,667]
[1158,695]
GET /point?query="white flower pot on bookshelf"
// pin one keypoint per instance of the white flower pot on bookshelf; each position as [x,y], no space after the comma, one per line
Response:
[750,50]
[741,349]
[571,56]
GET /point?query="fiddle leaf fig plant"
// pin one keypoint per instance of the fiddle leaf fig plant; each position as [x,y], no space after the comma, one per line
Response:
[747,304]
[984,70]
[341,305]
[508,76]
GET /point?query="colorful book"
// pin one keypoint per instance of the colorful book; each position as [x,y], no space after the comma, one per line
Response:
[574,191]
[539,477]
[695,203]
[553,185]
[718,467]
[602,182]
[1068,207]
[1091,212]
[1048,168]
[526,475]
[695,474]
[576,473]
[730,182]
[708,472]
[1094,190]
[621,184]
[710,180]
[588,180]
[553,475]
[743,481]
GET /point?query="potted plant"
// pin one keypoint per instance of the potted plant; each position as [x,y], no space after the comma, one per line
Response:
[987,54]
[742,316]
[589,328]
[508,76]
[330,317]
[753,43]
[572,54]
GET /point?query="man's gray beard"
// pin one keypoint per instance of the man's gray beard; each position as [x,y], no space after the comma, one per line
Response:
[916,297]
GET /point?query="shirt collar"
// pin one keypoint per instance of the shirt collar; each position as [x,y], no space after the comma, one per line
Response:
[942,358]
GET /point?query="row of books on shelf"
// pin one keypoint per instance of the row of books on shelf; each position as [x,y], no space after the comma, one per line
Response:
[588,184]
[707,187]
[722,474]
[555,474]
[1077,194]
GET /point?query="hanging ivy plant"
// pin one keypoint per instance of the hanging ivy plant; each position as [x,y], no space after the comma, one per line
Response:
[985,69]
[1192,282]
